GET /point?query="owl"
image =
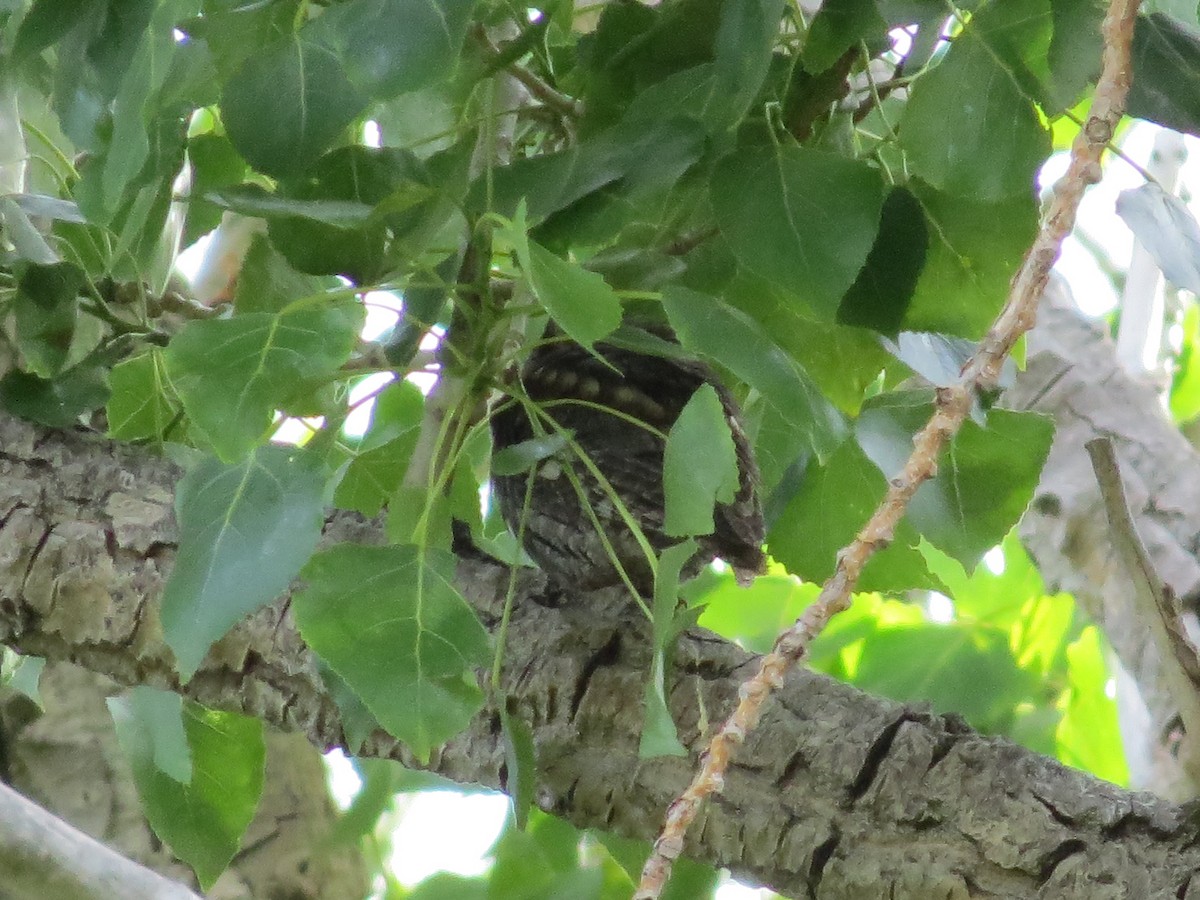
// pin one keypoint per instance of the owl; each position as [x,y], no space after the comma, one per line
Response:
[618,404]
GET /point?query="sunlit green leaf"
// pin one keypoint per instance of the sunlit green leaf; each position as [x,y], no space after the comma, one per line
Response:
[1089,735]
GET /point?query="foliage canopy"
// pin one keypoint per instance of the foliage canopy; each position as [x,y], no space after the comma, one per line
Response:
[827,206]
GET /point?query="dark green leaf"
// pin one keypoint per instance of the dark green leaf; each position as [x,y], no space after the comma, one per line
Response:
[253,200]
[204,818]
[391,623]
[377,472]
[1166,73]
[46,309]
[267,284]
[521,761]
[745,40]
[45,23]
[285,106]
[245,530]
[1074,50]
[881,293]
[58,401]
[522,457]
[232,374]
[392,46]
[659,735]
[838,26]
[970,131]
[773,207]
[579,301]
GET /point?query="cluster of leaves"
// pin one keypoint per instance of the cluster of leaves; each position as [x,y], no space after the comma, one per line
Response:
[826,208]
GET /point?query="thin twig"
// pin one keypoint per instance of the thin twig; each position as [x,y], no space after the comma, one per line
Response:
[1153,601]
[952,406]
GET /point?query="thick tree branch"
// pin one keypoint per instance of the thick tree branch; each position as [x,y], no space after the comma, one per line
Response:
[837,795]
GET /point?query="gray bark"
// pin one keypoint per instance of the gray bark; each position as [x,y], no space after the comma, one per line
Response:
[1073,375]
[837,794]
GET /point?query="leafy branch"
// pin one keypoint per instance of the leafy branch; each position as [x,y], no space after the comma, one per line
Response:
[953,405]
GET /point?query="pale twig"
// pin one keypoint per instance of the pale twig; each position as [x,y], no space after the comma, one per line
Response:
[952,406]
[1153,600]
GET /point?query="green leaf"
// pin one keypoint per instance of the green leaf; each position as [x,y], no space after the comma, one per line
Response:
[838,26]
[286,105]
[1075,50]
[1089,736]
[974,249]
[377,471]
[142,405]
[1166,73]
[753,615]
[582,304]
[984,596]
[957,667]
[24,675]
[744,43]
[58,401]
[969,130]
[523,456]
[253,200]
[984,480]
[659,735]
[232,374]
[150,728]
[45,310]
[204,818]
[391,623]
[880,296]
[700,466]
[44,25]
[245,530]
[740,344]
[393,46]
[27,241]
[267,284]
[772,204]
[520,758]
[834,501]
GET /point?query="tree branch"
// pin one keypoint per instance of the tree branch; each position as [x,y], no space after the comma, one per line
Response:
[837,794]
[42,856]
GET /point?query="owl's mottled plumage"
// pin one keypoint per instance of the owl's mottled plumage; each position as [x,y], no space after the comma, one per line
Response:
[576,388]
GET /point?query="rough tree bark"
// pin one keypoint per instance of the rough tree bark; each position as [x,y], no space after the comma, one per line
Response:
[838,794]
[1074,375]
